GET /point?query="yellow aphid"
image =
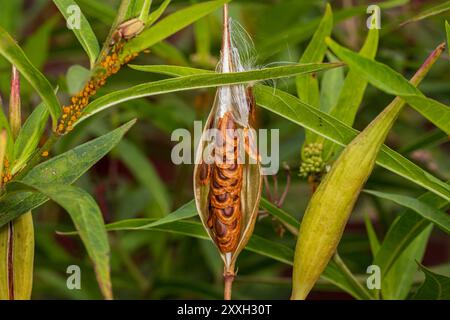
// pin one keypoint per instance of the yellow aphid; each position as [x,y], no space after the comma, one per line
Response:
[44,154]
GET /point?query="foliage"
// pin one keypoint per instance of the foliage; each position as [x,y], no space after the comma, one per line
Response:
[119,192]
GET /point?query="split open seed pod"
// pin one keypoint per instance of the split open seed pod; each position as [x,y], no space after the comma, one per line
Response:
[227,174]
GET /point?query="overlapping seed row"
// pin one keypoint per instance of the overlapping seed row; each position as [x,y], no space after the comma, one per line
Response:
[109,65]
[225,216]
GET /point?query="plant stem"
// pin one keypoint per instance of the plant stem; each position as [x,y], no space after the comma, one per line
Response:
[228,278]
[349,275]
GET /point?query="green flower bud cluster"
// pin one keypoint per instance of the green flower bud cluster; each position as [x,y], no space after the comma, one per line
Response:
[312,162]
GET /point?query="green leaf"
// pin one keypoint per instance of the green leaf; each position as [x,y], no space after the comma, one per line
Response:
[293,109]
[438,217]
[169,53]
[15,55]
[429,12]
[37,45]
[88,220]
[352,92]
[155,15]
[325,125]
[76,78]
[447,29]
[397,284]
[11,14]
[173,71]
[84,34]
[307,86]
[354,85]
[403,231]
[135,7]
[198,81]
[145,173]
[331,86]
[373,239]
[63,169]
[29,137]
[174,223]
[288,221]
[302,31]
[145,9]
[435,287]
[388,80]
[170,25]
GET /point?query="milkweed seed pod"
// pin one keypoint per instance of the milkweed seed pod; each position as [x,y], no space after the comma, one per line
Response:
[333,201]
[227,177]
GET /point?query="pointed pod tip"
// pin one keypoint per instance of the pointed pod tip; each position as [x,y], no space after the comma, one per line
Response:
[226,42]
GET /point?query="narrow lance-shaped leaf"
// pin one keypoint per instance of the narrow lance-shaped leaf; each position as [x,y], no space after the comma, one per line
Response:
[435,286]
[412,236]
[352,92]
[314,53]
[403,231]
[447,30]
[302,31]
[170,25]
[331,85]
[15,55]
[145,9]
[429,12]
[144,173]
[326,215]
[29,137]
[175,223]
[393,83]
[438,217]
[397,284]
[62,169]
[155,15]
[199,81]
[372,235]
[308,85]
[88,221]
[294,110]
[291,108]
[80,27]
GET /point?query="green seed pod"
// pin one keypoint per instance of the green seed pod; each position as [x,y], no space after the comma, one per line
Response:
[17,257]
[332,203]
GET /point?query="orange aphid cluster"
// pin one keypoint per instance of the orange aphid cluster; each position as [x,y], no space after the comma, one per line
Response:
[109,65]
[6,176]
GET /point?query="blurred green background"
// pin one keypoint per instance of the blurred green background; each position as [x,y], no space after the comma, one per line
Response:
[138,178]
